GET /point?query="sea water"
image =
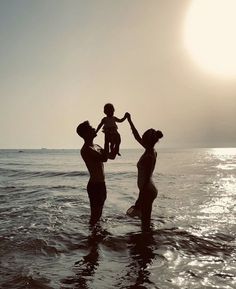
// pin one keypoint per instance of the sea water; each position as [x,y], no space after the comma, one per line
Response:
[46,242]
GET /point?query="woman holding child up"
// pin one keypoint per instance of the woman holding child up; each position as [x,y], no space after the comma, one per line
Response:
[145,165]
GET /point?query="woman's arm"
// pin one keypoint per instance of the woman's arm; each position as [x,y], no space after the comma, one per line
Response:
[134,130]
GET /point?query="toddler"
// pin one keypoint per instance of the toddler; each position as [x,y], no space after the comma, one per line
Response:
[110,129]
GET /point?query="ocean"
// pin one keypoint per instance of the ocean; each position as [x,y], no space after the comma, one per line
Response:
[46,242]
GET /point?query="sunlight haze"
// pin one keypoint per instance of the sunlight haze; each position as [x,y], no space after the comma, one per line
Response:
[61,61]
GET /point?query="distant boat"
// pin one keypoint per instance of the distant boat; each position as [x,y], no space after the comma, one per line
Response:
[20,151]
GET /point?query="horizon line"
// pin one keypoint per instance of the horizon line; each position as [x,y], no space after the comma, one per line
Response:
[128,148]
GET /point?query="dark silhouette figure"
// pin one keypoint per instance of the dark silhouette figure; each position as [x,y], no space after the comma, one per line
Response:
[145,165]
[110,129]
[93,156]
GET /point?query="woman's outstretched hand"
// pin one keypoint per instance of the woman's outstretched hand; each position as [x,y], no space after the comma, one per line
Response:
[134,130]
[128,116]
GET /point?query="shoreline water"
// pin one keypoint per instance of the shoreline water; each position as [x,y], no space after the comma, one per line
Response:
[45,240]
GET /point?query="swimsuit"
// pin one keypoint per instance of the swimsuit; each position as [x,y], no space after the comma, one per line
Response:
[97,193]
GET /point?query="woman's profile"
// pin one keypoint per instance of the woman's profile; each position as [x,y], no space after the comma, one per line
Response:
[146,164]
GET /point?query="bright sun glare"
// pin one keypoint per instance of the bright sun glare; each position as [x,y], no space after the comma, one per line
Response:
[210,35]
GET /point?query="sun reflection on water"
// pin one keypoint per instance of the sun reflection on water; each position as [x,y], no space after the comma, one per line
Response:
[221,204]
[223,200]
[223,154]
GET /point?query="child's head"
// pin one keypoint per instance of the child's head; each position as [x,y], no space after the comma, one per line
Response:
[109,109]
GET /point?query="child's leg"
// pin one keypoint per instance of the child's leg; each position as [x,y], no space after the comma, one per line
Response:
[107,143]
[115,144]
[118,144]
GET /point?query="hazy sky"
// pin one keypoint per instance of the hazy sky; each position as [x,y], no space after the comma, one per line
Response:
[61,61]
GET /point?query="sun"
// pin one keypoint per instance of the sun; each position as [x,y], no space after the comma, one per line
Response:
[210,35]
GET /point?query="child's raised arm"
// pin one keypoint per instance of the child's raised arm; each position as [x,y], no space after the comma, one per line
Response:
[100,125]
[121,119]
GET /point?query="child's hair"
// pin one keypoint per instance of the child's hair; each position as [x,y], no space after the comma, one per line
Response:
[109,109]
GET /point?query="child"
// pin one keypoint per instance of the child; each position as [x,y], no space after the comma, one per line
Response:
[112,136]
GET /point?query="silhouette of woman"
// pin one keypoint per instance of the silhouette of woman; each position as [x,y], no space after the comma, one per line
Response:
[145,165]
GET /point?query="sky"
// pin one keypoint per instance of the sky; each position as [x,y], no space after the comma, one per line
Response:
[170,63]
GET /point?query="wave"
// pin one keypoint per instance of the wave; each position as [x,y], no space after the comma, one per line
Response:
[196,245]
[178,240]
[49,174]
[22,280]
[46,174]
[136,251]
[24,191]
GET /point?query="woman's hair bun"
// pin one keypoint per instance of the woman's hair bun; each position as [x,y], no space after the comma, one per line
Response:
[159,134]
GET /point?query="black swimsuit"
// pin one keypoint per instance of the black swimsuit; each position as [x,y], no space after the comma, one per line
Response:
[97,193]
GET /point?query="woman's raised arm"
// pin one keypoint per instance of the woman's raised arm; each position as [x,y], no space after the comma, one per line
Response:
[134,130]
